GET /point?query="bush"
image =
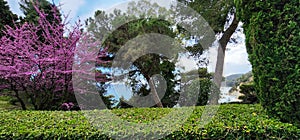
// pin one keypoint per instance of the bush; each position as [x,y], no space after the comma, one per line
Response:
[272,40]
[202,86]
[249,93]
[231,122]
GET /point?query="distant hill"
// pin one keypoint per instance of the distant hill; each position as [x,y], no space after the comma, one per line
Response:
[245,78]
[231,80]
[233,77]
[244,89]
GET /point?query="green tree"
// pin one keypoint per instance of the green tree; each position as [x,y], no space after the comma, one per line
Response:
[272,40]
[147,65]
[31,15]
[7,17]
[103,22]
[215,12]
[144,66]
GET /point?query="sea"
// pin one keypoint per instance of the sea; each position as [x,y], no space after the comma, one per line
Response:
[225,97]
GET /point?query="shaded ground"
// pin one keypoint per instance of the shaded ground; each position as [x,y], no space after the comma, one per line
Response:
[6,105]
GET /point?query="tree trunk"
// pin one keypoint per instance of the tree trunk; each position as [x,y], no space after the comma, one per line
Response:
[154,93]
[20,100]
[220,59]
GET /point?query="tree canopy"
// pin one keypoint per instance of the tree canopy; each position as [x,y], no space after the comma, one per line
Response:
[31,15]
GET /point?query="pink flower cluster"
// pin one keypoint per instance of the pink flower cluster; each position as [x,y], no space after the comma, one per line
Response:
[67,106]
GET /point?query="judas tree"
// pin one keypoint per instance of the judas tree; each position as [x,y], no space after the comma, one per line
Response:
[40,71]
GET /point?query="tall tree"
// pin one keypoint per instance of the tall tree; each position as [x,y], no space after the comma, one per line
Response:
[31,15]
[7,17]
[147,65]
[143,67]
[217,13]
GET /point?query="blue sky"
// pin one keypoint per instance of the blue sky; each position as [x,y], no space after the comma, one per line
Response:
[236,60]
[75,8]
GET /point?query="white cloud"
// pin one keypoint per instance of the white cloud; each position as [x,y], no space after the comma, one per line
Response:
[236,60]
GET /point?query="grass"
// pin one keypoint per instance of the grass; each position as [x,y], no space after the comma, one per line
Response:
[6,105]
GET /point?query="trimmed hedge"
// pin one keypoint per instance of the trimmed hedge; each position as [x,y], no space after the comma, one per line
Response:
[273,44]
[231,122]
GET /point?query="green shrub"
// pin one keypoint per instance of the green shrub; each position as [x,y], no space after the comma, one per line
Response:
[249,93]
[272,39]
[231,122]
[202,87]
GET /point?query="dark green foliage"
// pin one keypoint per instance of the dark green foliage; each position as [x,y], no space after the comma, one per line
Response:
[198,82]
[7,17]
[201,86]
[249,93]
[231,122]
[30,13]
[123,103]
[272,38]
[145,68]
[213,11]
[245,78]
[150,65]
[147,65]
[6,103]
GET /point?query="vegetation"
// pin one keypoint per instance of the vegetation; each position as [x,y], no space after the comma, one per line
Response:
[8,103]
[272,32]
[36,62]
[32,16]
[244,85]
[249,95]
[196,84]
[232,122]
[142,68]
[7,17]
[219,14]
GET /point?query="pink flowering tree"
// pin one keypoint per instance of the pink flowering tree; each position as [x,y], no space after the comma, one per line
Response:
[36,61]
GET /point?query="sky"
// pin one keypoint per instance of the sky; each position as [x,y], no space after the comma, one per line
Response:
[236,59]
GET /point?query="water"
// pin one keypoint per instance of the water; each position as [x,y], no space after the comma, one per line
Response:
[120,90]
[225,97]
